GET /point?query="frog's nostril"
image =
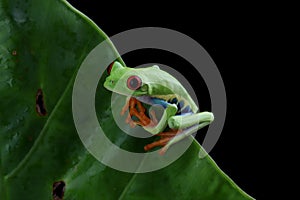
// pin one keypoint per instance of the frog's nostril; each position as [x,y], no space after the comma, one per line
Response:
[111,81]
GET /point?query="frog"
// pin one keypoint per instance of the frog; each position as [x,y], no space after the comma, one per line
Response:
[153,86]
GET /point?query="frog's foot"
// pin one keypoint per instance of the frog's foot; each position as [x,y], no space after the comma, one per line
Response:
[165,138]
[136,109]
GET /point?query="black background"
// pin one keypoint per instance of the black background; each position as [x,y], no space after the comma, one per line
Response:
[231,38]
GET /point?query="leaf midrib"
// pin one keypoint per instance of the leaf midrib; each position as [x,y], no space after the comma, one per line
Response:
[131,181]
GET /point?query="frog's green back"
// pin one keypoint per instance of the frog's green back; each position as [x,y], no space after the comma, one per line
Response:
[163,85]
[152,81]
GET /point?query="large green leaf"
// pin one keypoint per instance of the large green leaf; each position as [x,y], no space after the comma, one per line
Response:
[42,44]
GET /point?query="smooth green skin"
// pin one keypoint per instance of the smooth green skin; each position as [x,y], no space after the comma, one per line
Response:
[156,83]
[51,40]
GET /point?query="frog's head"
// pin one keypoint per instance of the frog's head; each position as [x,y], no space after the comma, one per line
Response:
[129,81]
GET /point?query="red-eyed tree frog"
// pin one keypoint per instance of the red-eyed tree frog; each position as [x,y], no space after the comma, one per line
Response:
[153,86]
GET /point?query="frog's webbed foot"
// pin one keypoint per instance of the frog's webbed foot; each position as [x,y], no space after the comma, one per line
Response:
[136,109]
[165,137]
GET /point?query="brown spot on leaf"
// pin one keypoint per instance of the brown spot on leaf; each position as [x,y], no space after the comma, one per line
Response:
[40,104]
[14,52]
[58,190]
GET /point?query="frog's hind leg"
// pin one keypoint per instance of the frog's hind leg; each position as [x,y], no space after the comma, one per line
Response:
[185,133]
[165,138]
[189,120]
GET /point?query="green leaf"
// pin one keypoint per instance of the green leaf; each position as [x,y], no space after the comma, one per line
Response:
[42,44]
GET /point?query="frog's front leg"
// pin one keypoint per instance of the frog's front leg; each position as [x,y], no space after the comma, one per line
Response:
[136,109]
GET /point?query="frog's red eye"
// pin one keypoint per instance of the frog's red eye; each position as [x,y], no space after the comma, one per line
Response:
[109,68]
[134,82]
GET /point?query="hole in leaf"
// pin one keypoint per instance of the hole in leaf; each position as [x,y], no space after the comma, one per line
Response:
[58,190]
[14,52]
[40,104]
